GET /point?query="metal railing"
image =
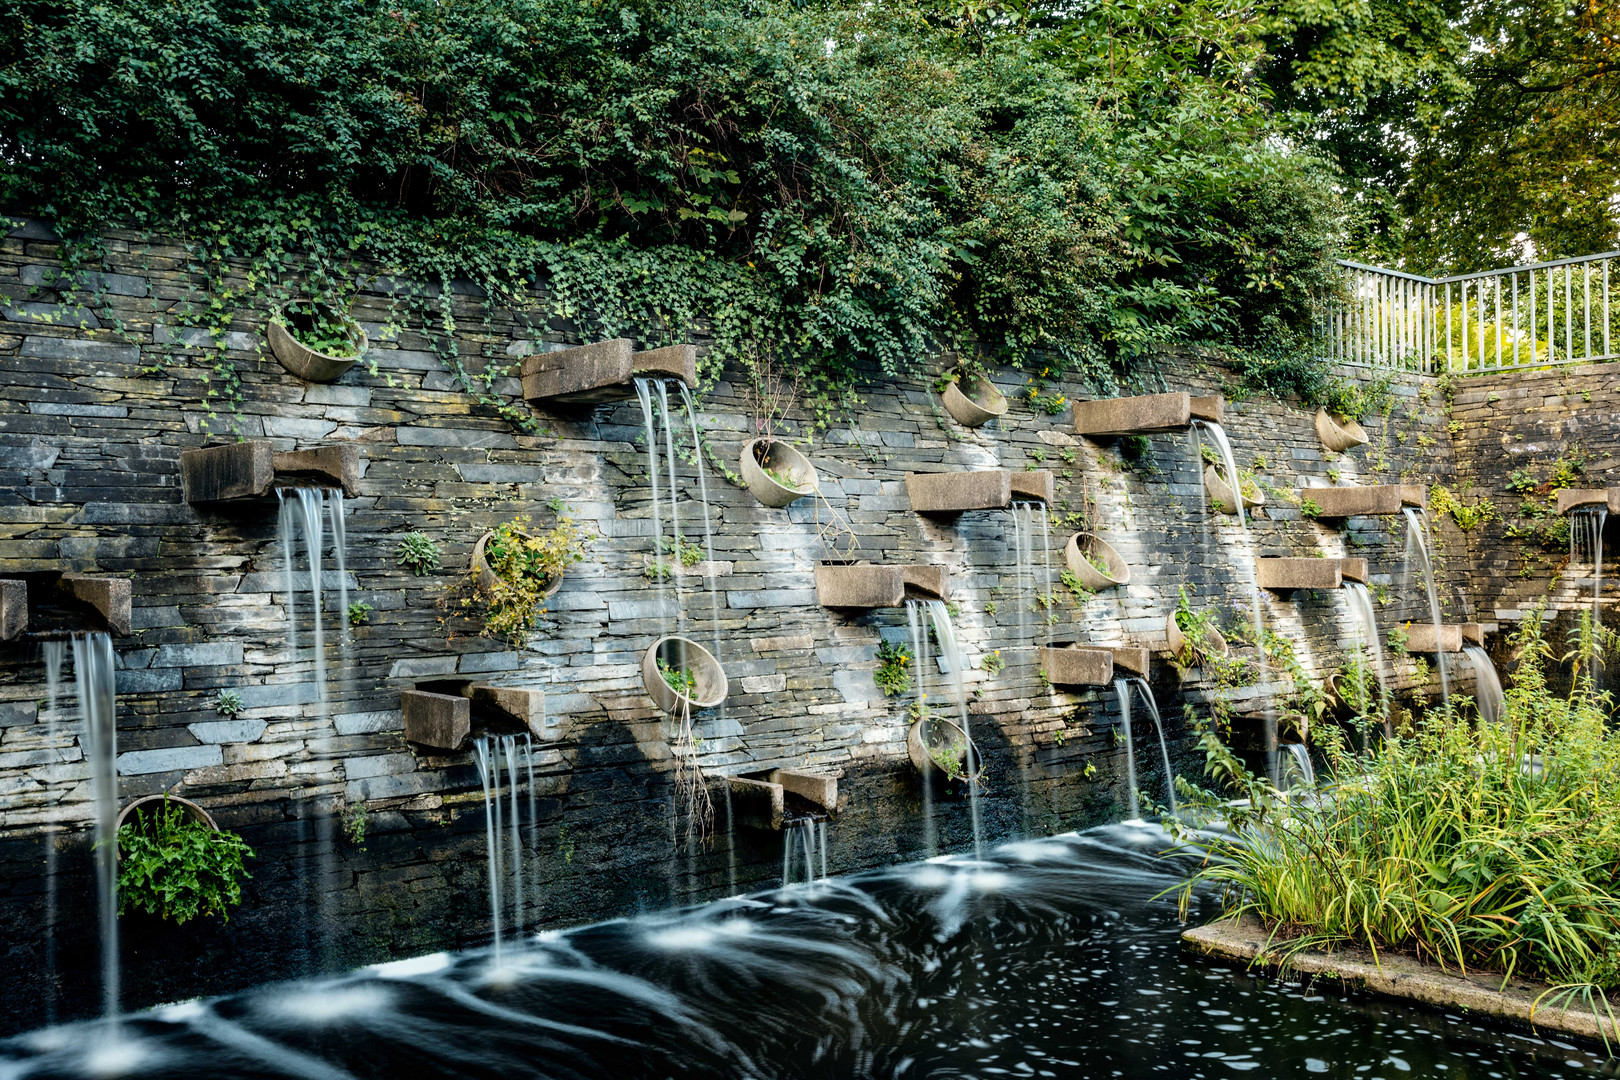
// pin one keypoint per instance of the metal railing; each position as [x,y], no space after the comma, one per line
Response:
[1497,320]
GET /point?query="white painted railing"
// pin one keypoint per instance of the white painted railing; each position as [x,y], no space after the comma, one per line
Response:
[1497,320]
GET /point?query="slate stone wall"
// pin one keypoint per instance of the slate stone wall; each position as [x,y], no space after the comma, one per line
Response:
[107,379]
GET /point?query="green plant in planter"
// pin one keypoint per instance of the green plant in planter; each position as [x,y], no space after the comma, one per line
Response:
[228,703]
[419,553]
[177,868]
[320,328]
[679,679]
[893,673]
[524,566]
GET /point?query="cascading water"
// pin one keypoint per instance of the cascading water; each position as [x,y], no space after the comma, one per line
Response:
[503,835]
[95,679]
[1122,693]
[1152,704]
[1586,542]
[486,752]
[1361,607]
[1300,755]
[1488,696]
[919,657]
[809,839]
[1234,482]
[950,655]
[54,652]
[1416,533]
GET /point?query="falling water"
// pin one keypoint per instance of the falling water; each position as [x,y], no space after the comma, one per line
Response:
[1133,802]
[650,431]
[1416,531]
[950,656]
[1301,756]
[54,652]
[1223,447]
[1488,696]
[919,657]
[708,528]
[1361,607]
[1586,542]
[509,747]
[807,838]
[1022,601]
[487,754]
[1152,704]
[534,819]
[95,677]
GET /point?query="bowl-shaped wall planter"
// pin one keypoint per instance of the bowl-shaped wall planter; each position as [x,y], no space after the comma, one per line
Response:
[937,744]
[708,679]
[487,579]
[153,804]
[306,318]
[1220,495]
[1079,553]
[973,400]
[1339,433]
[1214,643]
[760,459]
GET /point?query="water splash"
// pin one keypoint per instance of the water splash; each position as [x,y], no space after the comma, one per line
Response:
[1488,696]
[1416,532]
[95,676]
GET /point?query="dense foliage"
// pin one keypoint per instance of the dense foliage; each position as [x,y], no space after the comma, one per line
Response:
[838,185]
[1488,846]
[177,868]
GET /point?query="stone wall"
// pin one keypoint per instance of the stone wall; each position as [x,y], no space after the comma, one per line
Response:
[106,384]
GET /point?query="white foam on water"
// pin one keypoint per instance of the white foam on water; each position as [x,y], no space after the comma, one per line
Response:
[682,938]
[929,876]
[412,967]
[329,1004]
[989,880]
[117,1057]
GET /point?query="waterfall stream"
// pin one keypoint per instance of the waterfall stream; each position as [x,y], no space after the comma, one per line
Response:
[95,679]
[503,830]
[950,658]
[809,838]
[54,652]
[1361,608]
[1122,693]
[1488,696]
[1586,542]
[1416,540]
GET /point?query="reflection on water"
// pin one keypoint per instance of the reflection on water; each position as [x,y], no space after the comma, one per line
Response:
[1049,958]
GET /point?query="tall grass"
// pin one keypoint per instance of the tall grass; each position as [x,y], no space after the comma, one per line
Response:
[1476,847]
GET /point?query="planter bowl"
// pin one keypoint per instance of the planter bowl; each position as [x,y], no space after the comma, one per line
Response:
[486,577]
[155,802]
[979,404]
[783,458]
[709,678]
[1338,433]
[1214,642]
[1080,545]
[931,731]
[1220,495]
[305,362]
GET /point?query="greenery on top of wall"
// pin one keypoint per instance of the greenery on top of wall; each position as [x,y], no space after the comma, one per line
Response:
[842,185]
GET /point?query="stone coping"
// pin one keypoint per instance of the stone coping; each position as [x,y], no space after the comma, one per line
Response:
[1401,977]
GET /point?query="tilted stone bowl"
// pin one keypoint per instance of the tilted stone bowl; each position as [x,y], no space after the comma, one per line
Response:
[1338,433]
[932,730]
[305,362]
[153,804]
[1214,642]
[979,404]
[1074,553]
[487,579]
[709,678]
[783,458]
[1220,495]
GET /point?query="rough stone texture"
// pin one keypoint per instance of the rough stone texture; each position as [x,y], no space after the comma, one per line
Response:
[336,463]
[1078,666]
[821,790]
[522,705]
[859,586]
[109,596]
[582,375]
[13,608]
[930,581]
[1284,574]
[1145,414]
[957,492]
[1133,659]
[1033,484]
[1391,975]
[439,721]
[1347,502]
[757,804]
[1421,637]
[98,490]
[1570,498]
[242,470]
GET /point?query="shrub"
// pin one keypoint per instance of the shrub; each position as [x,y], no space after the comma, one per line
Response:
[524,567]
[177,868]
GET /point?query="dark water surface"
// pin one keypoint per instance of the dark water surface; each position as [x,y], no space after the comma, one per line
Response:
[1049,958]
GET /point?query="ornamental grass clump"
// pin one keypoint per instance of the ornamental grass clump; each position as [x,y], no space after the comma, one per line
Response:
[1474,846]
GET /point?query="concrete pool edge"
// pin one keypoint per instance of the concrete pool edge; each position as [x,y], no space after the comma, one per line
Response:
[1245,941]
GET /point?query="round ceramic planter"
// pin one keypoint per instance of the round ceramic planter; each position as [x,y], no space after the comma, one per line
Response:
[933,731]
[1074,554]
[1220,495]
[979,404]
[487,580]
[1338,433]
[1214,643]
[783,458]
[305,362]
[709,686]
[154,803]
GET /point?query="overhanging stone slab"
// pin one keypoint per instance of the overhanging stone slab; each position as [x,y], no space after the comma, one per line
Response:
[931,581]
[860,586]
[110,597]
[1422,637]
[1285,574]
[1369,501]
[337,463]
[1474,632]
[1589,498]
[957,492]
[757,804]
[442,721]
[602,371]
[820,790]
[1354,569]
[1145,414]
[522,706]
[1075,665]
[1132,658]
[249,470]
[1033,485]
[13,608]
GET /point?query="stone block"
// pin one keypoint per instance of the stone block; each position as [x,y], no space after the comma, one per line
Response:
[1376,499]
[1421,637]
[820,790]
[241,470]
[757,804]
[523,706]
[956,492]
[208,654]
[227,731]
[1589,498]
[602,371]
[1076,665]
[1353,570]
[1284,574]
[931,581]
[1132,658]
[13,608]
[169,759]
[109,596]
[859,586]
[1145,414]
[1473,633]
[441,721]
[1033,485]
[337,463]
